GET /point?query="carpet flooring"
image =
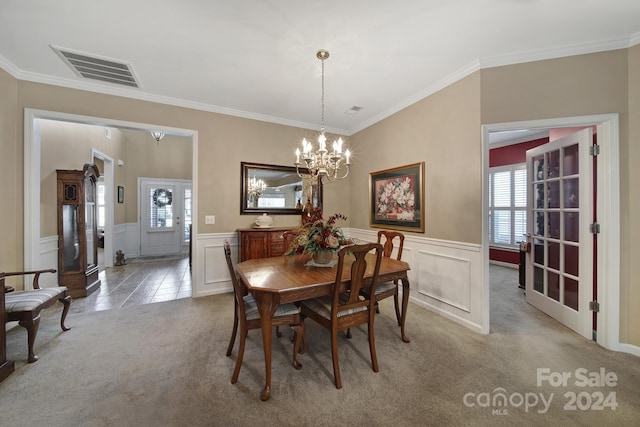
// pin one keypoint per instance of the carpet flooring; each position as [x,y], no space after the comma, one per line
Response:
[164,364]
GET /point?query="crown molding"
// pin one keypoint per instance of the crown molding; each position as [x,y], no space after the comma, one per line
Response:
[487,62]
[135,94]
[560,51]
[501,60]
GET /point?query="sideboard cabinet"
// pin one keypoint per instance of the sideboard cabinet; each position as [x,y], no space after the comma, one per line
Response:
[261,242]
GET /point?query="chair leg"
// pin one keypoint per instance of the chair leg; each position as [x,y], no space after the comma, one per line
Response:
[66,301]
[395,301]
[278,333]
[232,341]
[377,308]
[372,347]
[31,325]
[348,333]
[334,358]
[236,371]
[298,336]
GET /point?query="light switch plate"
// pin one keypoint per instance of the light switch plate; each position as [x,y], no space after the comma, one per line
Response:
[209,219]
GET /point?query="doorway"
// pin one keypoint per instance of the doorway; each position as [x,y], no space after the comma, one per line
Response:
[105,210]
[608,213]
[33,253]
[164,206]
[559,265]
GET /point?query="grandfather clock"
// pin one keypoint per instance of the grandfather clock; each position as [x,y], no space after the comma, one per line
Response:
[78,230]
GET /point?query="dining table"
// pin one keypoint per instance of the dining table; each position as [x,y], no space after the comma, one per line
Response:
[282,279]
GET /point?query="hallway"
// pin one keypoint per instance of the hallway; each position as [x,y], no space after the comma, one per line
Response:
[139,282]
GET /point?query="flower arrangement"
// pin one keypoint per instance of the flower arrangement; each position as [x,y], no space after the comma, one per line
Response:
[396,199]
[317,235]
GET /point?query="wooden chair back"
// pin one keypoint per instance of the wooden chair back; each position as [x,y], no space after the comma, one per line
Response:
[289,237]
[388,244]
[358,270]
[239,290]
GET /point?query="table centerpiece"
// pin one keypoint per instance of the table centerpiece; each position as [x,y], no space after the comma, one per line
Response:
[318,237]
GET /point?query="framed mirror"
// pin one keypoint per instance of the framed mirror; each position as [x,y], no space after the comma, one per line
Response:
[276,190]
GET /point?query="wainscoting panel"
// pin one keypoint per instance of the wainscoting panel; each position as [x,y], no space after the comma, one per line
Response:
[445,276]
[126,238]
[48,259]
[445,279]
[211,275]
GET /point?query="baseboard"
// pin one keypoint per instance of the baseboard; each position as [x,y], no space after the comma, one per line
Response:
[504,264]
[446,314]
[630,348]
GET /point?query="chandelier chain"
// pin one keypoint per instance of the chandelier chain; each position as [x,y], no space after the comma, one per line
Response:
[322,102]
[331,163]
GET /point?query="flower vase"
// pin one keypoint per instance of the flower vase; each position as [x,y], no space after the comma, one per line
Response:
[323,257]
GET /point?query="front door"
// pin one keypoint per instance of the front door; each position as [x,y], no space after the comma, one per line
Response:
[559,217]
[162,210]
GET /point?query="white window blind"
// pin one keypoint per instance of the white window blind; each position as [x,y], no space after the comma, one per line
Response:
[507,204]
[187,214]
[100,204]
[269,200]
[160,208]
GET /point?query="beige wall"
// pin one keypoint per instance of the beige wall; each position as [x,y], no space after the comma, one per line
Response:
[144,158]
[66,145]
[630,177]
[11,247]
[442,130]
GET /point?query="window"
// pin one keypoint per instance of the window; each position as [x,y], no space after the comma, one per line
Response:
[100,203]
[160,208]
[187,215]
[507,205]
[271,201]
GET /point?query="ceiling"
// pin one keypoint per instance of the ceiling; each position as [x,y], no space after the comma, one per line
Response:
[257,58]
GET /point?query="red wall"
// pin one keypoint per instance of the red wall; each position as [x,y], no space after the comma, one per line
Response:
[512,154]
[501,255]
[509,155]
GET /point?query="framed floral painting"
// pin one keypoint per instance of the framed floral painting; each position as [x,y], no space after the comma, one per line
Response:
[396,198]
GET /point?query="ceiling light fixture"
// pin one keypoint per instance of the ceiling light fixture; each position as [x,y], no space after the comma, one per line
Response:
[256,186]
[323,163]
[157,136]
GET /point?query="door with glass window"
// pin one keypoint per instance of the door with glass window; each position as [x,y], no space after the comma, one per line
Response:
[560,200]
[162,207]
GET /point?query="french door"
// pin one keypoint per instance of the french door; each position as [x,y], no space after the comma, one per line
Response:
[559,217]
[165,216]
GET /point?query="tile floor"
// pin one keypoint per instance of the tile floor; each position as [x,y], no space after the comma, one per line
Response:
[138,282]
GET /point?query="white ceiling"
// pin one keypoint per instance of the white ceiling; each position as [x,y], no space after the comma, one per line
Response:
[256,58]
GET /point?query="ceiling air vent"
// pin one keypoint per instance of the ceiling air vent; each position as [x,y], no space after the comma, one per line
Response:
[96,68]
[353,110]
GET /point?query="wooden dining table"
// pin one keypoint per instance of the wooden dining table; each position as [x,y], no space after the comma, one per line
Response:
[277,280]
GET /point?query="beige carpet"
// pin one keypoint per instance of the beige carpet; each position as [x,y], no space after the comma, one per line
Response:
[164,364]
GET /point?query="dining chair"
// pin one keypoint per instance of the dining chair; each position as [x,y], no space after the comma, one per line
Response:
[346,308]
[246,315]
[388,289]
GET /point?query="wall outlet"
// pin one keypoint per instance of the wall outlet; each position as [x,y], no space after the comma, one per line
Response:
[209,219]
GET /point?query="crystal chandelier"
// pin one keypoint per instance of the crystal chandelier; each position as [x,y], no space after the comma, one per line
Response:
[323,163]
[256,186]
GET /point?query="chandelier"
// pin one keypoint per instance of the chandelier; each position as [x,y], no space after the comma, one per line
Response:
[157,136]
[255,186]
[323,162]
